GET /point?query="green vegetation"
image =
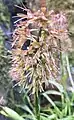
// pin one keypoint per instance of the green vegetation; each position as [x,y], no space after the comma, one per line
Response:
[4,15]
[55,110]
[4,57]
[42,70]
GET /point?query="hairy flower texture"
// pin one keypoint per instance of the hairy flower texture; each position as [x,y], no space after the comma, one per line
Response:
[47,32]
[59,27]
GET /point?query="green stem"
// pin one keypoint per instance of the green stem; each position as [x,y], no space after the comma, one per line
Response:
[37,105]
[63,69]
[69,72]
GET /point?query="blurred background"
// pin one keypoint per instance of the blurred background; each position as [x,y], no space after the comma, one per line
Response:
[7,11]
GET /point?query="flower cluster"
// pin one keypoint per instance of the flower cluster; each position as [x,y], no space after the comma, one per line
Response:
[47,33]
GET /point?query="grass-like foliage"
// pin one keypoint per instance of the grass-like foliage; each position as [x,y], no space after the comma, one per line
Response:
[55,110]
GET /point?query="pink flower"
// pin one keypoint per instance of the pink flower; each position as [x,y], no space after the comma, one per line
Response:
[58,23]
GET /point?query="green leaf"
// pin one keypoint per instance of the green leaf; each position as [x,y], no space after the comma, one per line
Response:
[53,92]
[52,103]
[10,113]
[58,86]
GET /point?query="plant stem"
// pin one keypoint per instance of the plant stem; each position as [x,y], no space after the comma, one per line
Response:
[69,72]
[63,69]
[37,106]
